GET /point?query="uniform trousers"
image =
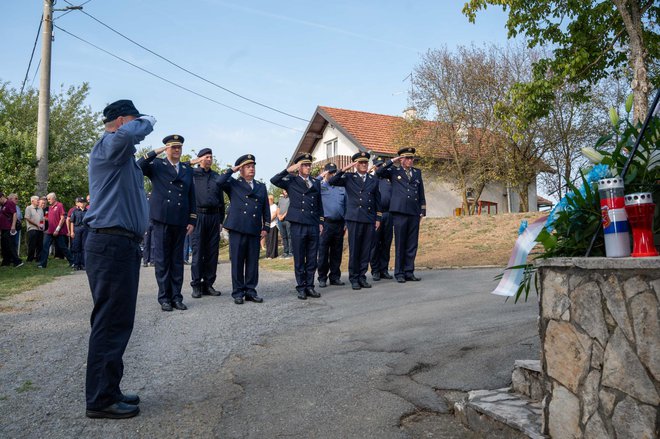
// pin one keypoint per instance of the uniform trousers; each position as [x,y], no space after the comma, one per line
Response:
[148,245]
[380,251]
[244,256]
[113,271]
[331,246]
[168,258]
[78,245]
[305,245]
[35,240]
[205,240]
[406,237]
[360,238]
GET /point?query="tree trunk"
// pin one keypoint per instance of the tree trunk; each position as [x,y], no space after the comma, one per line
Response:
[632,19]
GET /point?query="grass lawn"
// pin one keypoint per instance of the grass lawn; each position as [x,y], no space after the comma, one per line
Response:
[16,280]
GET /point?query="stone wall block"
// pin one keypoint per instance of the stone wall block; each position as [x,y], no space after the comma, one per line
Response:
[554,300]
[607,399]
[597,353]
[595,429]
[616,304]
[567,354]
[587,311]
[656,287]
[646,321]
[634,421]
[634,286]
[622,370]
[589,395]
[564,414]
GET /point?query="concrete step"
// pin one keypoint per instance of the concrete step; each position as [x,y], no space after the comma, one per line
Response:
[501,413]
[527,379]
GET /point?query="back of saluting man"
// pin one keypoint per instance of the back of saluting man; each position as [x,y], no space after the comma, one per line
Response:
[306,217]
[407,207]
[172,212]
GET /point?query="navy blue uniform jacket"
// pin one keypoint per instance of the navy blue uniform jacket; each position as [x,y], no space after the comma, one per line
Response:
[305,205]
[407,194]
[173,195]
[362,198]
[249,211]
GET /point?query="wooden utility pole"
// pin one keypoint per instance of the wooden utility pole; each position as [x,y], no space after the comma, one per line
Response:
[43,118]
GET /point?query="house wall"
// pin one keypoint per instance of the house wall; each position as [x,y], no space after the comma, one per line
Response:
[344,146]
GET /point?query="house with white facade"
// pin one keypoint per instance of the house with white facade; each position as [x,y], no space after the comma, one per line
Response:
[334,135]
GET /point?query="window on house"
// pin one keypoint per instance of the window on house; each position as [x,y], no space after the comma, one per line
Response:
[331,148]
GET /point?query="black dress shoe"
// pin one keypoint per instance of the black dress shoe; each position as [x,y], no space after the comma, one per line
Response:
[311,292]
[180,306]
[166,306]
[197,293]
[255,299]
[322,284]
[118,410]
[413,278]
[239,301]
[356,286]
[401,280]
[130,398]
[302,295]
[375,277]
[386,275]
[212,291]
[364,284]
[337,282]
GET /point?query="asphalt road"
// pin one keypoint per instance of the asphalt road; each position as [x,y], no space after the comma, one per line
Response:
[376,363]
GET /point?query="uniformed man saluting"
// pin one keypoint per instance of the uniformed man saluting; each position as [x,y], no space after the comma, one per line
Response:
[248,220]
[206,236]
[306,217]
[172,212]
[362,215]
[407,206]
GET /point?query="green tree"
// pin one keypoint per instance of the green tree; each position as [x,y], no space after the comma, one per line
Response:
[74,128]
[590,40]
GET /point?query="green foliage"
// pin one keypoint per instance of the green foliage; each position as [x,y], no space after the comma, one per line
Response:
[73,130]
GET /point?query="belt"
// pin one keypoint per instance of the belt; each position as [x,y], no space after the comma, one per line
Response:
[208,210]
[118,231]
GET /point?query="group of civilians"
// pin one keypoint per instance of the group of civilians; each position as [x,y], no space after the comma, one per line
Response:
[279,226]
[47,224]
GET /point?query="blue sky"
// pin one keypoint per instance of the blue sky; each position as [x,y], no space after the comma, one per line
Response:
[291,55]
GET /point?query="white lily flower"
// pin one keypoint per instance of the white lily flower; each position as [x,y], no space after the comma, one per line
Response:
[592,155]
[654,160]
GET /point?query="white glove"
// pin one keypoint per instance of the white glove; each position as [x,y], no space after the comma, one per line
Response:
[150,119]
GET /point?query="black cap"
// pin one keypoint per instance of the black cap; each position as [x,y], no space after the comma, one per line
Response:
[330,167]
[304,158]
[123,107]
[202,152]
[80,200]
[173,140]
[407,151]
[378,161]
[361,157]
[245,160]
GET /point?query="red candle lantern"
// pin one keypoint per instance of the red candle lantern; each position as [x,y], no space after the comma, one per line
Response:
[640,208]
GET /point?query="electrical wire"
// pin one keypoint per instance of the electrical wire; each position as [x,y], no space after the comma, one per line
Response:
[70,10]
[34,47]
[174,83]
[190,72]
[36,71]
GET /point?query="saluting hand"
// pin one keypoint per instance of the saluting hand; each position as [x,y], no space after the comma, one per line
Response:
[293,168]
[396,159]
[349,166]
[235,168]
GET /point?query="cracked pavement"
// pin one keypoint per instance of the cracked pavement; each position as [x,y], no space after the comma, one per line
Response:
[384,362]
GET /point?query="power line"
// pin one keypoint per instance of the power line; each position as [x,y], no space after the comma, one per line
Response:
[174,83]
[70,10]
[36,39]
[190,72]
[36,71]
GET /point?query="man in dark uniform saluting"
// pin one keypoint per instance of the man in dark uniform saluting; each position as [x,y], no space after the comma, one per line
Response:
[172,212]
[306,217]
[407,206]
[117,220]
[362,215]
[248,221]
[206,236]
[380,252]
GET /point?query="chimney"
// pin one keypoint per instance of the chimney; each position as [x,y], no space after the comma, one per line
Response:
[410,113]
